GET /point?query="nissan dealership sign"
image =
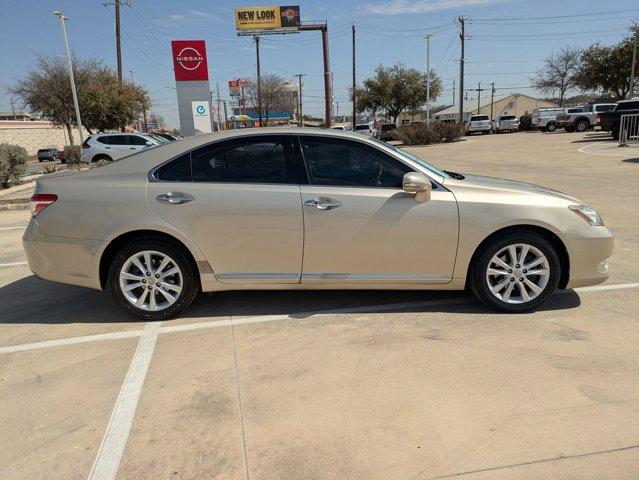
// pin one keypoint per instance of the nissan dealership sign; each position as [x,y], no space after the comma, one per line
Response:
[189,60]
[192,86]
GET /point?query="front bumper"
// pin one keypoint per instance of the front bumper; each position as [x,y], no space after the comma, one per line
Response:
[61,259]
[588,257]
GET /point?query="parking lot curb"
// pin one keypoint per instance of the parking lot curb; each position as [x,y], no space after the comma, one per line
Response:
[18,188]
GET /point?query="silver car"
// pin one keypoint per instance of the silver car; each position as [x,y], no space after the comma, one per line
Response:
[478,123]
[305,209]
[506,123]
[112,146]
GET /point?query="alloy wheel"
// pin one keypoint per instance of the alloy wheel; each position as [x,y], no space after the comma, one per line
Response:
[518,273]
[151,280]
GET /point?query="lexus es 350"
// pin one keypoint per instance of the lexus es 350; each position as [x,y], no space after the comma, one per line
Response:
[305,209]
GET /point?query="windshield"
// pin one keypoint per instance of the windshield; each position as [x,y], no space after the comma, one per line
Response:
[362,127]
[508,117]
[414,158]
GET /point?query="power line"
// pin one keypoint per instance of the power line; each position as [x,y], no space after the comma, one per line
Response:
[577,15]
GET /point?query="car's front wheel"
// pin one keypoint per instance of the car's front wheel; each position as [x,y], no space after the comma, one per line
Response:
[152,279]
[516,272]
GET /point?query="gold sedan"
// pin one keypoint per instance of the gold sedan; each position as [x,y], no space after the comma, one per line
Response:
[305,209]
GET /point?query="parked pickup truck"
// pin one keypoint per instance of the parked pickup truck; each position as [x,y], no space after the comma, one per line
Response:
[582,118]
[609,121]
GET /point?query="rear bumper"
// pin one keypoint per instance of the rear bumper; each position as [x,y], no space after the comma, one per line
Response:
[67,260]
[589,257]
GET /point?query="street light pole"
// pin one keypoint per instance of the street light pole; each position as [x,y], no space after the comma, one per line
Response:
[71,79]
[427,37]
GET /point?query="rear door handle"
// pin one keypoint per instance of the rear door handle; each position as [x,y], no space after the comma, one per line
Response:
[175,198]
[323,203]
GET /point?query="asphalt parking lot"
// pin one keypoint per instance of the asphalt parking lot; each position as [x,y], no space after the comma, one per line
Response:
[338,385]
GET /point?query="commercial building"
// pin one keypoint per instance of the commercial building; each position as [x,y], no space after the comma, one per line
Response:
[517,104]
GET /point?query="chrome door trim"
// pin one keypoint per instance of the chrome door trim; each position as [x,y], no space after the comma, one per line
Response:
[376,278]
[258,277]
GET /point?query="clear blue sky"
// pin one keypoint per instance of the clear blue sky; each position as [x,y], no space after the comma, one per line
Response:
[389,31]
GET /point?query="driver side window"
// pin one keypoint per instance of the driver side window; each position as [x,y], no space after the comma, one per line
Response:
[339,162]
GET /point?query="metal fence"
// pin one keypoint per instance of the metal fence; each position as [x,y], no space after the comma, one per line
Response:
[629,129]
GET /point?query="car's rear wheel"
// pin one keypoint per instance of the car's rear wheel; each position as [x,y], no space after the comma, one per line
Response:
[516,272]
[152,279]
[615,132]
[551,127]
[97,158]
[581,126]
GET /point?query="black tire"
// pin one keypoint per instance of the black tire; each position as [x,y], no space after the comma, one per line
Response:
[615,132]
[40,160]
[101,156]
[581,126]
[551,127]
[479,284]
[543,129]
[569,129]
[190,281]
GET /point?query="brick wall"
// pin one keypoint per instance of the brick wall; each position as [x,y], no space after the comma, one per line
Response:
[35,135]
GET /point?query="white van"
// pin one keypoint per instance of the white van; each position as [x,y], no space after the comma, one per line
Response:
[546,118]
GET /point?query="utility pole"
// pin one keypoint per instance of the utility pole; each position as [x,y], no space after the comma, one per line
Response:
[226,117]
[354,82]
[461,70]
[631,91]
[71,78]
[427,37]
[328,91]
[492,98]
[256,38]
[300,120]
[118,46]
[133,83]
[219,118]
[478,97]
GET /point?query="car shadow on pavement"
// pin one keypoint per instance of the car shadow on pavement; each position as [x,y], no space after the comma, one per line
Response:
[35,301]
[593,139]
[631,160]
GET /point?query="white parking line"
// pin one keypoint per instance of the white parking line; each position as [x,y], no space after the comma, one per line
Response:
[14,264]
[585,150]
[187,327]
[107,461]
[21,227]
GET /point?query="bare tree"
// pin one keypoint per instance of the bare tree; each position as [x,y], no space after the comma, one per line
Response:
[272,89]
[558,73]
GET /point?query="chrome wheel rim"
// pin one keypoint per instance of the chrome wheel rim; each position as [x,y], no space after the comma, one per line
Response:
[151,280]
[518,273]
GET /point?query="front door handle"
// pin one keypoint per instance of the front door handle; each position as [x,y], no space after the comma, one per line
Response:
[323,203]
[175,198]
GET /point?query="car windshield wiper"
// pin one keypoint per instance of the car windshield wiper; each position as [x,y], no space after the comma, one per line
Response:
[456,176]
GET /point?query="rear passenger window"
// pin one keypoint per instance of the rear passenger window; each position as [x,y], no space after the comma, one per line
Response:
[177,170]
[104,140]
[257,159]
[117,140]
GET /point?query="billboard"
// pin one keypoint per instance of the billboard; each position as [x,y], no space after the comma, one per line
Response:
[255,19]
[189,60]
[236,85]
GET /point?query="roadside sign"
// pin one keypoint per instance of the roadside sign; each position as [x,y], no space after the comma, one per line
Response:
[256,19]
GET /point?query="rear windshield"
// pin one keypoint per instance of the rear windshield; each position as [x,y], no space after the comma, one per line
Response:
[362,127]
[478,117]
[628,105]
[605,108]
[508,117]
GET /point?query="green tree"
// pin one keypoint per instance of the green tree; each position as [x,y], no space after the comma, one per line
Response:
[104,102]
[558,73]
[396,89]
[607,68]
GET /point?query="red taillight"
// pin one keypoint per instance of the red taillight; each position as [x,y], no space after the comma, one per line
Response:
[40,201]
[85,144]
[599,118]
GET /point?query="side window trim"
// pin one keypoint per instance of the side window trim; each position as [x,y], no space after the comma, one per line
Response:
[361,143]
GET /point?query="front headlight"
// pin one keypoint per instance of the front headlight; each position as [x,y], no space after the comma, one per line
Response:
[588,214]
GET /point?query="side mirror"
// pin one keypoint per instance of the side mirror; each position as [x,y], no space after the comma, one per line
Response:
[417,184]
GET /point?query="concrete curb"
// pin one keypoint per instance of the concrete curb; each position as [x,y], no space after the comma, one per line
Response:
[19,188]
[14,206]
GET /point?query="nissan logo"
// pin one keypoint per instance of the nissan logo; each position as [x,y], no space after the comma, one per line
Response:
[189,58]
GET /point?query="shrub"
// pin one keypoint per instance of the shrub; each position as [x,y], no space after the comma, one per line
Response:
[72,156]
[13,163]
[50,169]
[422,134]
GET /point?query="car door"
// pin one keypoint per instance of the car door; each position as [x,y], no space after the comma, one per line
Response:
[239,201]
[118,146]
[138,143]
[362,228]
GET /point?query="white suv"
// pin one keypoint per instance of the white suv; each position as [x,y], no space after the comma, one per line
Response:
[506,123]
[111,146]
[478,123]
[365,129]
